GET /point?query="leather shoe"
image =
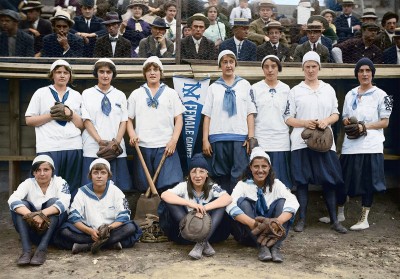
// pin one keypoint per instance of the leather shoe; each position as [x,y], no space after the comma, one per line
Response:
[300,225]
[25,258]
[264,254]
[276,255]
[78,248]
[338,227]
[39,257]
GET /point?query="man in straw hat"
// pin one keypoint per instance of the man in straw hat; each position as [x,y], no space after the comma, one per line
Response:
[197,46]
[273,47]
[62,43]
[347,24]
[156,44]
[112,44]
[35,25]
[244,49]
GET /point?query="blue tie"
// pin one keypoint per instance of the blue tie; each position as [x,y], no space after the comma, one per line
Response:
[272,91]
[261,205]
[153,101]
[105,102]
[229,103]
[65,97]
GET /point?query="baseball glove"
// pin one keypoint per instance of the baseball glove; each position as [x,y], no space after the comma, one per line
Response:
[58,112]
[110,151]
[268,230]
[151,229]
[193,228]
[353,129]
[32,223]
[250,143]
[320,140]
[104,235]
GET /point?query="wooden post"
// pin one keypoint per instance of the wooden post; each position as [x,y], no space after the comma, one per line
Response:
[178,32]
[14,136]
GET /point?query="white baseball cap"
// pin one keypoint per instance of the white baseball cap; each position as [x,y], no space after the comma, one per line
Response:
[225,52]
[311,56]
[60,62]
[100,161]
[43,158]
[154,59]
[259,152]
[106,60]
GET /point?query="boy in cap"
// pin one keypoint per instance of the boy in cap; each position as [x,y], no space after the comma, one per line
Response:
[88,26]
[157,44]
[273,46]
[62,43]
[112,44]
[157,112]
[13,41]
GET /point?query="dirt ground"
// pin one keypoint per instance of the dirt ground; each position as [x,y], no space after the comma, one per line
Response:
[318,252]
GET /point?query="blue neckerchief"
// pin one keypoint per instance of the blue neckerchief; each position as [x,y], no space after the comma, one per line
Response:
[105,102]
[229,104]
[198,199]
[355,101]
[65,97]
[272,91]
[153,101]
[261,204]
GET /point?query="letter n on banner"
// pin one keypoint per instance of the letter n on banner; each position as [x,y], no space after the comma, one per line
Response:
[193,94]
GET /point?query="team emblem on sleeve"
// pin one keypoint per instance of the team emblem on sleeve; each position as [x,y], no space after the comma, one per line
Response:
[388,102]
[65,188]
[126,204]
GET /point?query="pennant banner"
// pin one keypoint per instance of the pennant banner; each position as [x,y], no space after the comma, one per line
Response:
[193,94]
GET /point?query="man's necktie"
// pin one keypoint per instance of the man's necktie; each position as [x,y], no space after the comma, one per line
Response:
[275,49]
[197,45]
[239,48]
[314,47]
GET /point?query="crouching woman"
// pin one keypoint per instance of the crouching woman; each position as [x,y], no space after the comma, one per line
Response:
[97,203]
[197,193]
[260,194]
[46,194]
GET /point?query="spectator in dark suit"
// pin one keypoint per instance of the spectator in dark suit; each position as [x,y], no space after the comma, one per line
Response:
[62,43]
[244,49]
[196,46]
[314,31]
[352,50]
[35,25]
[112,44]
[156,44]
[391,55]
[347,24]
[13,41]
[384,39]
[273,47]
[135,28]
[88,26]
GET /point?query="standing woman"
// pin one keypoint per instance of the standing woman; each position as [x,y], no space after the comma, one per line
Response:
[271,131]
[197,193]
[105,114]
[228,123]
[59,139]
[45,193]
[156,111]
[261,194]
[216,31]
[313,104]
[362,157]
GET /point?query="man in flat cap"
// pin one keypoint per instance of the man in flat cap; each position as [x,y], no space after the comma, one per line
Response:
[347,24]
[244,49]
[384,39]
[273,47]
[35,25]
[197,46]
[13,41]
[112,44]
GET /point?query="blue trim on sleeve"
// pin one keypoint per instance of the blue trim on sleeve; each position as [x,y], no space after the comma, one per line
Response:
[123,216]
[75,217]
[289,209]
[16,204]
[226,137]
[60,206]
[235,211]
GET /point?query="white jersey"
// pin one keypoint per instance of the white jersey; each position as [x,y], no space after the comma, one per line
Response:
[93,211]
[223,127]
[271,130]
[249,190]
[374,105]
[30,190]
[154,126]
[106,126]
[52,136]
[306,103]
[181,191]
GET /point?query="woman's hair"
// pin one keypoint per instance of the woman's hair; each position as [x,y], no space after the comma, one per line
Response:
[208,8]
[99,166]
[206,187]
[98,65]
[269,181]
[51,74]
[147,67]
[36,166]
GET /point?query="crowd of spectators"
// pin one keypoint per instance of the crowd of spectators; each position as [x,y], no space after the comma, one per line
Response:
[90,28]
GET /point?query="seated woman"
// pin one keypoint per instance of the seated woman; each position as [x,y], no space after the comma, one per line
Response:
[260,194]
[197,193]
[99,202]
[46,193]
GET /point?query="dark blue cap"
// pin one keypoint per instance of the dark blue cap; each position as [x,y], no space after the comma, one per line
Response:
[198,161]
[364,61]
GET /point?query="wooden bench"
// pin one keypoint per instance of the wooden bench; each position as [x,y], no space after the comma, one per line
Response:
[14,170]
